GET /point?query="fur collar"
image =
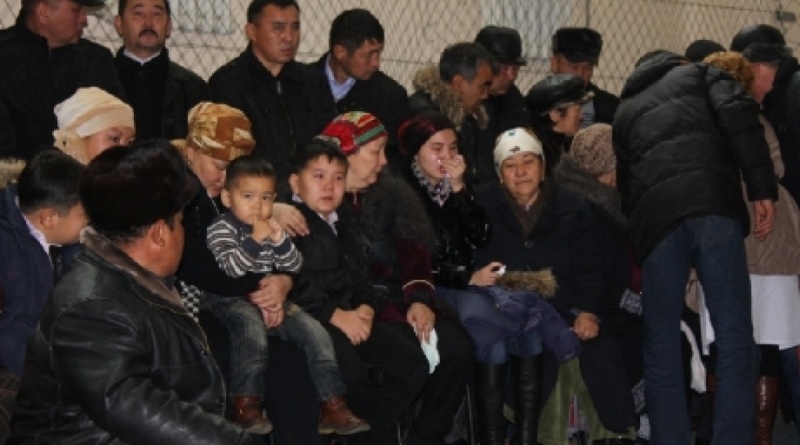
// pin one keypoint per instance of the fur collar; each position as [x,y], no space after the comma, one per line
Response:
[106,250]
[10,170]
[570,176]
[380,201]
[427,80]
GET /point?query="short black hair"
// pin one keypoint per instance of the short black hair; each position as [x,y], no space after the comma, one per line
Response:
[50,179]
[123,3]
[464,58]
[257,6]
[247,166]
[353,27]
[320,146]
[127,189]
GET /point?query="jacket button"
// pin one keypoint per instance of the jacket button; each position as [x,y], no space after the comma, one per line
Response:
[528,244]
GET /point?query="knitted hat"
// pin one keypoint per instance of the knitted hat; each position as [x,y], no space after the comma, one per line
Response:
[88,111]
[516,140]
[592,150]
[353,130]
[219,131]
[415,132]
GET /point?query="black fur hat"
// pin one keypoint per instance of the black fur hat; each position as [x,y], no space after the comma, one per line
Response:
[503,43]
[126,189]
[578,44]
[761,44]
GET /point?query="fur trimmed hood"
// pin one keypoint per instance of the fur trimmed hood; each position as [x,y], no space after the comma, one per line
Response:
[427,80]
[10,170]
[105,249]
[543,282]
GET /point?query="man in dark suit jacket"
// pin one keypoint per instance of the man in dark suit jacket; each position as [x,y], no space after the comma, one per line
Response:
[352,67]
[161,92]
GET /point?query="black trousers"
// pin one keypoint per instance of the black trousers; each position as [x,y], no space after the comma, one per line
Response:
[445,388]
[383,374]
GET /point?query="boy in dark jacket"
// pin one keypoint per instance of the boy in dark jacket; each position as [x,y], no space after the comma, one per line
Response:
[247,239]
[334,287]
[39,213]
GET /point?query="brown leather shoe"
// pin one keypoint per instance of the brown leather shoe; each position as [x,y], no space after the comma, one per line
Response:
[247,413]
[336,417]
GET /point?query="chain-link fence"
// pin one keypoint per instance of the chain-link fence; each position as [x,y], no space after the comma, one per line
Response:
[208,33]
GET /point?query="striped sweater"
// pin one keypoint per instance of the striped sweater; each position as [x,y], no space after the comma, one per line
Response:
[237,252]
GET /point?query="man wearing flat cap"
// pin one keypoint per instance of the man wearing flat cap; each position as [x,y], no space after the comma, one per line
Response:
[505,105]
[45,61]
[577,51]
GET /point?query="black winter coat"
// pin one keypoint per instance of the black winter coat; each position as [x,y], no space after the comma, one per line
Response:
[782,108]
[685,135]
[116,358]
[564,239]
[379,95]
[605,104]
[460,225]
[286,111]
[161,93]
[397,240]
[335,271]
[34,79]
[507,111]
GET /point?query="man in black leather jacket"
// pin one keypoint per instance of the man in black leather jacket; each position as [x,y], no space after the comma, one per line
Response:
[116,357]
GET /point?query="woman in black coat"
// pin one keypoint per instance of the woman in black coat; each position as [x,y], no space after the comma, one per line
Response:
[538,225]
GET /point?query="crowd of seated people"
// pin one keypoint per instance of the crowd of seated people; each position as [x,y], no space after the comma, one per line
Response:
[305,264]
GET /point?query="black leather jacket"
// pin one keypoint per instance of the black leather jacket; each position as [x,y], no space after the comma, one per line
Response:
[115,359]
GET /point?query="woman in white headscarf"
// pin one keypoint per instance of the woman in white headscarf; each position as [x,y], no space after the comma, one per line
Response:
[91,121]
